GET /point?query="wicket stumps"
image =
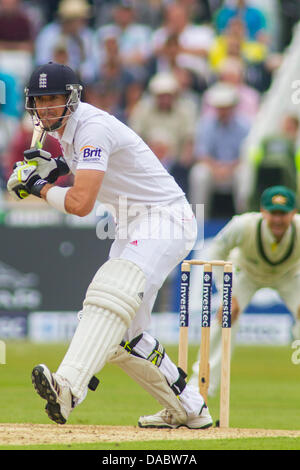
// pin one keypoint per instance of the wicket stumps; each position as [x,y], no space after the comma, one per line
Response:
[205,329]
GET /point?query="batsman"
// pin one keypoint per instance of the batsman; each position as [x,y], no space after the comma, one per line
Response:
[265,250]
[111,164]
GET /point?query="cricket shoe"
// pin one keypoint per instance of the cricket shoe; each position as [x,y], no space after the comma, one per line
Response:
[165,419]
[55,391]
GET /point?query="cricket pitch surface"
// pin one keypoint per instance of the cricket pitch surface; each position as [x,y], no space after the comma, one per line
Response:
[30,434]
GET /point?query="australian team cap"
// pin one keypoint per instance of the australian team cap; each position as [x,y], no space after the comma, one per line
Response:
[51,79]
[278,198]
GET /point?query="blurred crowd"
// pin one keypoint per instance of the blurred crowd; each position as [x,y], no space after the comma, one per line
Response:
[188,76]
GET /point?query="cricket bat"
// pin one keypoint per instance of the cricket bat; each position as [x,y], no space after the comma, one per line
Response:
[38,136]
[37,141]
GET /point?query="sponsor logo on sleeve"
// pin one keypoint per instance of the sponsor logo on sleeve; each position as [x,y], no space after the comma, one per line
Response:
[91,153]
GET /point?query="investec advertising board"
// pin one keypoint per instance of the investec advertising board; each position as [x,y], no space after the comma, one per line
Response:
[46,265]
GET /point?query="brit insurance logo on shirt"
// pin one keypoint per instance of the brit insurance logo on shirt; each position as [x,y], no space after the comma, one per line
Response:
[91,153]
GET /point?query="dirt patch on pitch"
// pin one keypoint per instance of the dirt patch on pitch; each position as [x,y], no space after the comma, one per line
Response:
[29,434]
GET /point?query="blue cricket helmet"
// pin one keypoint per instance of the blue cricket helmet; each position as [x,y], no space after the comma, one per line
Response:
[53,79]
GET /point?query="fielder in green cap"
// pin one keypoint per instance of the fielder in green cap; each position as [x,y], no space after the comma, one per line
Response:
[265,249]
[278,198]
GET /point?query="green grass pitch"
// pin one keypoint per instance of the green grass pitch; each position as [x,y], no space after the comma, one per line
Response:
[264,394]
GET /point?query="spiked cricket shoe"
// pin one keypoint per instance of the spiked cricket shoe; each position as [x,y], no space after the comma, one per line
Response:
[55,391]
[165,419]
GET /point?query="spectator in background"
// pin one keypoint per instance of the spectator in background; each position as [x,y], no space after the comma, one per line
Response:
[72,26]
[163,145]
[16,40]
[132,95]
[254,54]
[276,161]
[198,12]
[167,61]
[218,141]
[9,117]
[149,12]
[253,18]
[234,42]
[194,41]
[232,71]
[15,26]
[112,69]
[164,110]
[167,58]
[188,90]
[34,10]
[113,78]
[103,10]
[49,9]
[60,51]
[8,126]
[133,39]
[107,97]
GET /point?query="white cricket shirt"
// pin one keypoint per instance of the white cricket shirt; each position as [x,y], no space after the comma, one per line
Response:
[96,140]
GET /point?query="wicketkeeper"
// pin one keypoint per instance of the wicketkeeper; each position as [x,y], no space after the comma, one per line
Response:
[265,249]
[111,164]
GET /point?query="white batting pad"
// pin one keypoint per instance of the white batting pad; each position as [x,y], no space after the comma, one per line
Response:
[111,302]
[121,283]
[151,379]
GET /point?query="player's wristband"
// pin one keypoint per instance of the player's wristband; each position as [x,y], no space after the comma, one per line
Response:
[36,185]
[56,198]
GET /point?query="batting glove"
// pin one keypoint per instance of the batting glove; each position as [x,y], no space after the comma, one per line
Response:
[48,168]
[21,179]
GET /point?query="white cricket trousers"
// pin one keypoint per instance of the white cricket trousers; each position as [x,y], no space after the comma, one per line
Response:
[157,242]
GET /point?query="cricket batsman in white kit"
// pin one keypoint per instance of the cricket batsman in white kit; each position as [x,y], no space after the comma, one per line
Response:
[265,249]
[110,162]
